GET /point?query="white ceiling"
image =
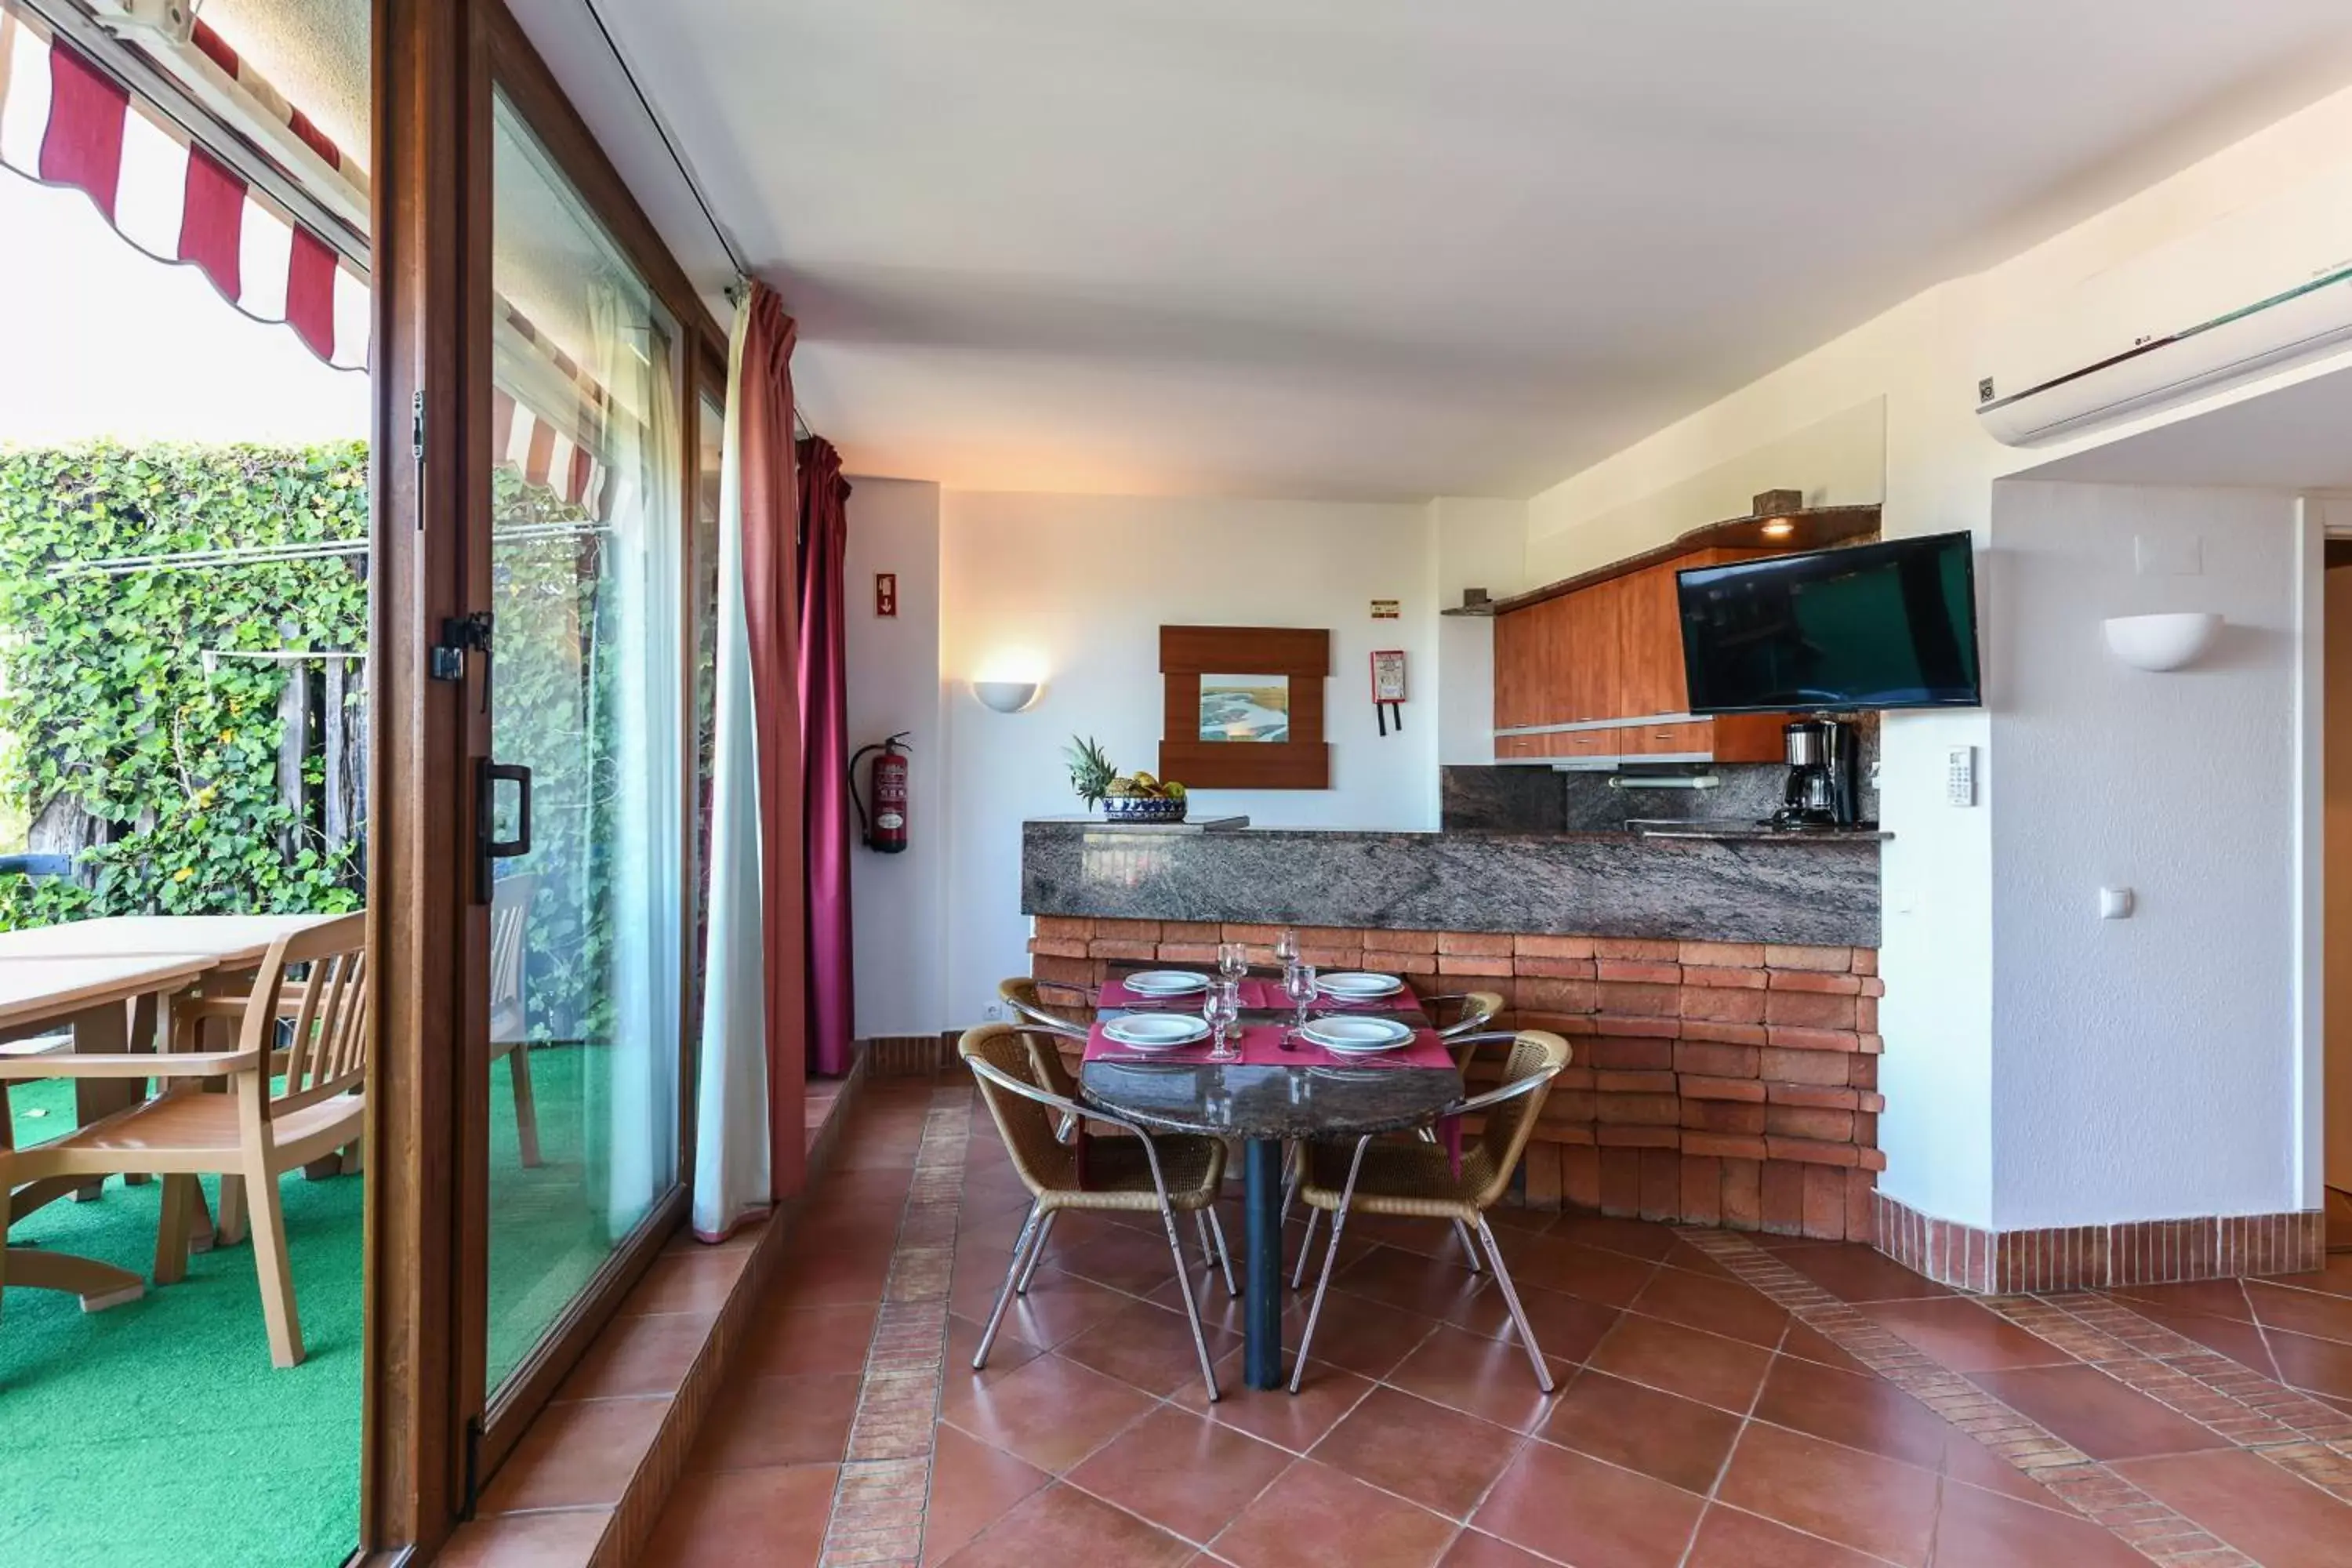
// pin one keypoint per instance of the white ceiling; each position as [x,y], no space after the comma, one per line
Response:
[1380,248]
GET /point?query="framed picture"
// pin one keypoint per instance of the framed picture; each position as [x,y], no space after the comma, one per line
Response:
[1244,706]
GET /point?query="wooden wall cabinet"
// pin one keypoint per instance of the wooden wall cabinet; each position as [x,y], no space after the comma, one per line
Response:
[1610,656]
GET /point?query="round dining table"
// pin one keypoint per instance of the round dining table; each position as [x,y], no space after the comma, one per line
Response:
[1269,1106]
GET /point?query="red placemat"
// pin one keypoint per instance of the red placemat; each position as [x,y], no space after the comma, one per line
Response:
[1261,1046]
[1256,996]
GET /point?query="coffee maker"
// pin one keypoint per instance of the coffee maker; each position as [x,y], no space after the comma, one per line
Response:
[1822,754]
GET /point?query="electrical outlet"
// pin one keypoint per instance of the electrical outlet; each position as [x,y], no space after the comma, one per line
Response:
[1960,777]
[993,1012]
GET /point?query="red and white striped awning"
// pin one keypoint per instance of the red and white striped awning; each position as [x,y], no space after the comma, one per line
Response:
[544,454]
[66,121]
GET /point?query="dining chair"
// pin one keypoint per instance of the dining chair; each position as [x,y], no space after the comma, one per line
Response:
[1464,1012]
[295,1078]
[509,1020]
[1145,1172]
[1420,1180]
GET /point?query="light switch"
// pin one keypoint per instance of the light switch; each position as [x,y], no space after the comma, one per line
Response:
[2115,903]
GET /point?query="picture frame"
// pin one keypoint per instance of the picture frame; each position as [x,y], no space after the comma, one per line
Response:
[1268,736]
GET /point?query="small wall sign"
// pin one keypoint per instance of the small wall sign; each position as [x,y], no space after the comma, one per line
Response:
[886,596]
[1385,609]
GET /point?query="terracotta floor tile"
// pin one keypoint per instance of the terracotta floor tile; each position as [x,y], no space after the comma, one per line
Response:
[526,1540]
[1718,1306]
[1976,1530]
[640,1355]
[1965,1336]
[1058,1307]
[2322,1366]
[1548,1263]
[1866,1413]
[1567,1327]
[1146,1346]
[1676,1440]
[1063,1525]
[1490,1379]
[1729,1538]
[1967,1461]
[1475,1548]
[2312,1312]
[687,1281]
[831,1280]
[1052,1413]
[2096,1414]
[1857,1500]
[1183,1472]
[1125,1261]
[809,1341]
[1634,1238]
[2241,1340]
[1577,1510]
[1439,1458]
[1295,1422]
[1316,1517]
[1363,1335]
[974,1485]
[1852,1272]
[2214,1298]
[578,1454]
[2272,1518]
[1430,1287]
[1715,1371]
[766,1421]
[773,1517]
[1817,1348]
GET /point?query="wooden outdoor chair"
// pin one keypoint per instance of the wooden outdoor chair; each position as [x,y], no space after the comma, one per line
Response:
[295,1078]
[509,1023]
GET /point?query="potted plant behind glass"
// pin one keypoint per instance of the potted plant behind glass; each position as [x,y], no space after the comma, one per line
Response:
[1123,798]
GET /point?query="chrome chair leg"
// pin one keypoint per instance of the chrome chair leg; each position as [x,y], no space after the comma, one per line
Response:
[1510,1299]
[1305,1250]
[1225,1255]
[1429,1135]
[1330,1256]
[1037,1253]
[1191,1310]
[1200,1230]
[1031,1232]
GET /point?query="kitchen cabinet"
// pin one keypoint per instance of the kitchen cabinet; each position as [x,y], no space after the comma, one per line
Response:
[1609,656]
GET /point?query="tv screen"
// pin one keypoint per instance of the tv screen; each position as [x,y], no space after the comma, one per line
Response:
[1864,627]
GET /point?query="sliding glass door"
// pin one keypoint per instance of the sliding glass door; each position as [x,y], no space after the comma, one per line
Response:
[592,890]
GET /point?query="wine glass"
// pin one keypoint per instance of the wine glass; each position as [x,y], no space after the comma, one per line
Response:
[1286,946]
[1232,959]
[1224,1011]
[1298,984]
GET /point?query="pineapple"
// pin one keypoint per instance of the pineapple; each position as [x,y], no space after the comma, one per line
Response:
[1091,773]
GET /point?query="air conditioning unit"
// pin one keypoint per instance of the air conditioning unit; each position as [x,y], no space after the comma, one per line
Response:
[2251,291]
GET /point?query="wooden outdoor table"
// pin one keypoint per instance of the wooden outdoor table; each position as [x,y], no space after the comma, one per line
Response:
[102,979]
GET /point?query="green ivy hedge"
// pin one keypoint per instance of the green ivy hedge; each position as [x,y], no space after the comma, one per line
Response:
[105,695]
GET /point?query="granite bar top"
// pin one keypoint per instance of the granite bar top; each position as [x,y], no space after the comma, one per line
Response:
[1781,888]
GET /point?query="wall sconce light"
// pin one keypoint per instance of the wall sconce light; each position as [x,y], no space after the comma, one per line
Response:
[1778,528]
[2162,642]
[1007,696]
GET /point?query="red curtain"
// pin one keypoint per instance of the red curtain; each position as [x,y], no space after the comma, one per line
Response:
[772,611]
[824,755]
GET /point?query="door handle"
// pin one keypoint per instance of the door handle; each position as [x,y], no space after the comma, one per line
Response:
[487,777]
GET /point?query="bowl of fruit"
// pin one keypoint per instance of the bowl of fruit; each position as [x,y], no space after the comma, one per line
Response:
[1124,797]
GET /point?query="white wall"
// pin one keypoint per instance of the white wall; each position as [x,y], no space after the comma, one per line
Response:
[1919,361]
[2146,1066]
[1075,588]
[898,903]
[1476,543]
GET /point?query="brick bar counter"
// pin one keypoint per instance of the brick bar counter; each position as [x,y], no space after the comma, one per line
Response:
[1719,1076]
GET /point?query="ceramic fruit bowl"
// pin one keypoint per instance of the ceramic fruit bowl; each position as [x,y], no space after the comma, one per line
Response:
[1141,808]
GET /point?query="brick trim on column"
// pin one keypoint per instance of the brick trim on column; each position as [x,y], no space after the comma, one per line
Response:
[2088,1258]
[1717,1083]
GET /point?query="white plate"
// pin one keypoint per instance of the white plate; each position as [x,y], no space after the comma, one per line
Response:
[1157,1031]
[1364,1034]
[1350,985]
[1167,982]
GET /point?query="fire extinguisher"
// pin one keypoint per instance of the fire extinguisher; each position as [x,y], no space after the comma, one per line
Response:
[885,828]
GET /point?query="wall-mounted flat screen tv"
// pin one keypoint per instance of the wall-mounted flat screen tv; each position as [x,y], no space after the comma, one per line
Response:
[1864,626]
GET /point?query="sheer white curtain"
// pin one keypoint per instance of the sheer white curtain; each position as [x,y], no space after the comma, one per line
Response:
[643,692]
[730,1149]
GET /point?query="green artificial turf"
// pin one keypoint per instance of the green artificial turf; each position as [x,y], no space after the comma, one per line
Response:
[158,1432]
